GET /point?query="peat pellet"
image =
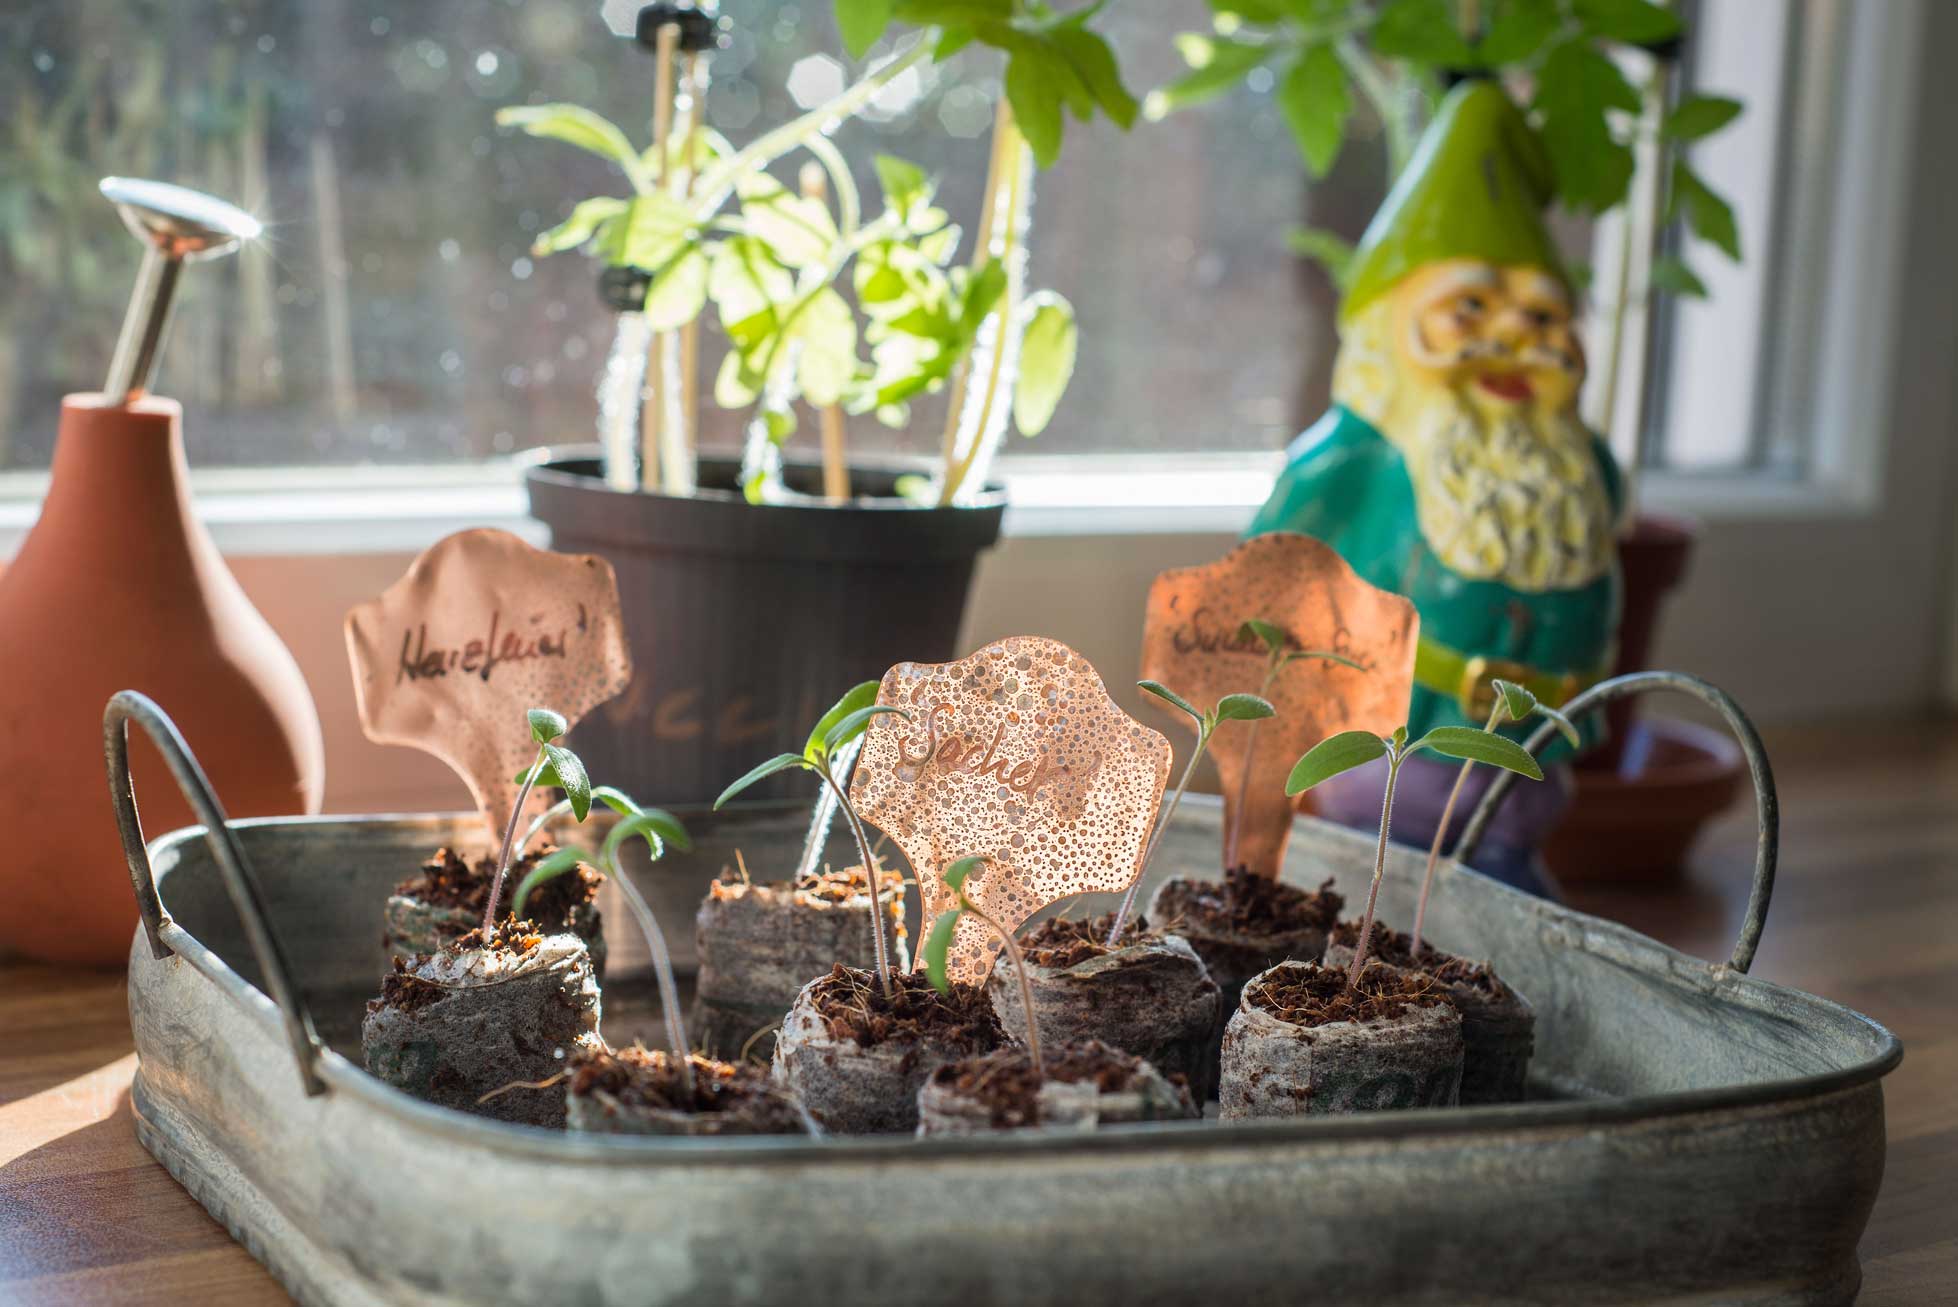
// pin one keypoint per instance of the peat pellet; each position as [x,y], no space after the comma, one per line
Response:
[1079,1087]
[1298,1045]
[454,1026]
[635,1091]
[445,900]
[1151,996]
[1498,1024]
[856,1058]
[759,944]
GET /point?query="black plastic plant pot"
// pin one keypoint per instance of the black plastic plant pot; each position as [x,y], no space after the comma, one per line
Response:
[747,620]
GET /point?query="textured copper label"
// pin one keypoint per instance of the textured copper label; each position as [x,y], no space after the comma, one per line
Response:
[1191,643]
[1017,754]
[481,628]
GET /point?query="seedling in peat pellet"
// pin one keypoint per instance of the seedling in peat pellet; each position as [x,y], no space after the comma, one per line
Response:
[939,942]
[658,828]
[846,721]
[1278,656]
[1350,749]
[1230,708]
[554,765]
[1518,704]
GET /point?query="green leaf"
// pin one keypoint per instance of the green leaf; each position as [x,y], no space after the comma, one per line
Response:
[915,488]
[1273,638]
[827,361]
[1036,95]
[1422,32]
[1593,168]
[1710,217]
[549,867]
[1333,755]
[1244,708]
[1046,362]
[575,230]
[1259,13]
[1670,273]
[1330,250]
[678,292]
[937,944]
[955,875]
[576,125]
[1565,726]
[1517,31]
[745,283]
[653,231]
[780,424]
[1094,64]
[546,725]
[856,723]
[1321,655]
[1479,746]
[1518,702]
[615,799]
[1315,102]
[861,22]
[1163,692]
[1635,22]
[1216,65]
[1693,118]
[569,776]
[656,827]
[780,762]
[856,698]
[904,184]
[798,229]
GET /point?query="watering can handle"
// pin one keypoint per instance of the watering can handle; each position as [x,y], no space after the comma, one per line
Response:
[239,881]
[1767,809]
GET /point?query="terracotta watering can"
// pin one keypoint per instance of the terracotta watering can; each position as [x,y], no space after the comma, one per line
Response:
[119,586]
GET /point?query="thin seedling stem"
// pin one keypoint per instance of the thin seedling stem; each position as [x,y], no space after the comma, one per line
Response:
[1019,962]
[1394,759]
[1441,836]
[509,844]
[882,956]
[1156,838]
[669,989]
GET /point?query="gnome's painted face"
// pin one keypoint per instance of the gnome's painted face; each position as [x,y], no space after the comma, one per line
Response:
[1472,371]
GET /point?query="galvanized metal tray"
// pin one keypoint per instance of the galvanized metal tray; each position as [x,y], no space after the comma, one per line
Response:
[1700,1137]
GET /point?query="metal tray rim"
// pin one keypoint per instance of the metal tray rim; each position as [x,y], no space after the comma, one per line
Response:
[1626,947]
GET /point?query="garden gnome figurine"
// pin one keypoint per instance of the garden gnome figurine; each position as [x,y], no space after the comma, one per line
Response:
[1453,467]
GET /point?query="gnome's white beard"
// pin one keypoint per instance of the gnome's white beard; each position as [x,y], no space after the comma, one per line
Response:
[1517,498]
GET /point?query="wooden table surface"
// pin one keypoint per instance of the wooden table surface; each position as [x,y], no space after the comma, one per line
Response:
[1865,912]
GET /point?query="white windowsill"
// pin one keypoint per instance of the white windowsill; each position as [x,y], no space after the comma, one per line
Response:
[397,510]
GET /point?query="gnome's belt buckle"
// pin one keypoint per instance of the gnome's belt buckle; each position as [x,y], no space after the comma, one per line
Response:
[1476,694]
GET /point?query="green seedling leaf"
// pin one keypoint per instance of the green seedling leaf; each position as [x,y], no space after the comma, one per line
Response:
[1046,362]
[827,363]
[1635,22]
[796,228]
[1516,701]
[937,944]
[1518,30]
[1333,755]
[1163,692]
[1329,250]
[956,874]
[1710,217]
[1670,273]
[905,184]
[1577,88]
[569,776]
[1422,32]
[780,762]
[856,723]
[657,828]
[1400,739]
[856,698]
[1565,726]
[1480,746]
[1309,655]
[1244,708]
[615,799]
[679,291]
[576,125]
[546,725]
[586,216]
[652,232]
[915,488]
[549,867]
[1273,638]
[1216,65]
[861,22]
[1315,101]
[1037,94]
[1696,117]
[1094,64]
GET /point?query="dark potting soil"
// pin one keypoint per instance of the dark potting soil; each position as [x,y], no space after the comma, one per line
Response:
[1065,941]
[401,988]
[642,1078]
[854,1007]
[1006,1084]
[447,880]
[1259,907]
[1391,946]
[1312,995]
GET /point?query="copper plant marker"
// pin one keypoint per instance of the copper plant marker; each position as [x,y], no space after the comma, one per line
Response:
[481,628]
[1017,754]
[1303,587]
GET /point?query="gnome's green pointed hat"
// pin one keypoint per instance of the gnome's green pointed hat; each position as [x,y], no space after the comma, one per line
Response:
[1476,188]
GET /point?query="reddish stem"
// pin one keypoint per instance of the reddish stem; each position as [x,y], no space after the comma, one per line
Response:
[1379,870]
[509,846]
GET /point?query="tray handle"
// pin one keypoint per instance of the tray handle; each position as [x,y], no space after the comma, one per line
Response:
[1767,808]
[239,881]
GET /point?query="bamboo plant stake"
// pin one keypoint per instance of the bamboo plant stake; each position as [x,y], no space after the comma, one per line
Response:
[696,95]
[665,450]
[836,468]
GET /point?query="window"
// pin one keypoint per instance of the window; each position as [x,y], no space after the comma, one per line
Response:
[394,315]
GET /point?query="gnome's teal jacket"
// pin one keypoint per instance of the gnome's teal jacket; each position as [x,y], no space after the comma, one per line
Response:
[1345,484]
